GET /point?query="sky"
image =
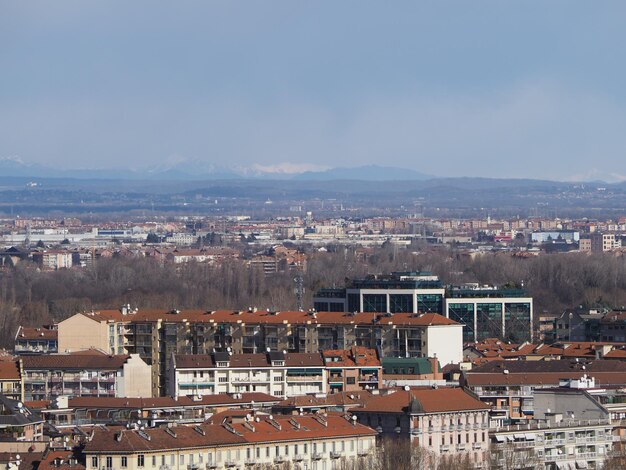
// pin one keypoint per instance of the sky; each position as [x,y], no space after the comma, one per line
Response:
[449,88]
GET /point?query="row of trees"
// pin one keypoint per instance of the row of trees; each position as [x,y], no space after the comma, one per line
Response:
[30,296]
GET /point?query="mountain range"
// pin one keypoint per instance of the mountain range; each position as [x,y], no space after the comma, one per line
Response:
[191,170]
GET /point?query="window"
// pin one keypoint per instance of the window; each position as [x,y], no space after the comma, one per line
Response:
[267,451]
[351,380]
[109,462]
[223,379]
[154,460]
[124,462]
[277,451]
[94,461]
[140,460]
[182,459]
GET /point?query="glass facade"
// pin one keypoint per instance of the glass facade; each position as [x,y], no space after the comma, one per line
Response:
[401,303]
[375,303]
[354,303]
[488,320]
[430,303]
[517,321]
[464,314]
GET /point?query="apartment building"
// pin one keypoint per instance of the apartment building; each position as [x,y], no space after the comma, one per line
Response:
[279,374]
[90,373]
[64,412]
[399,292]
[354,369]
[157,334]
[43,340]
[570,430]
[18,422]
[316,442]
[445,421]
[509,387]
[491,312]
[11,383]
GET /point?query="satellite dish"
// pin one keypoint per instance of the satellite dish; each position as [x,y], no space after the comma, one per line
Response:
[20,405]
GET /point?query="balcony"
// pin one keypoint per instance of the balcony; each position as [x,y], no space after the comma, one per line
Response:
[211,465]
[316,456]
[460,447]
[304,378]
[298,458]
[250,462]
[363,453]
[280,459]
[335,454]
[445,448]
[230,463]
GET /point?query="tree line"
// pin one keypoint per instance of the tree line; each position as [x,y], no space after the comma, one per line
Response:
[30,296]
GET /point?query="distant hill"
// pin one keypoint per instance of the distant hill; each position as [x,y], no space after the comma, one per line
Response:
[364,173]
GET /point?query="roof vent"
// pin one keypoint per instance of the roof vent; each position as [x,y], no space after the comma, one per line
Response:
[171,432]
[145,435]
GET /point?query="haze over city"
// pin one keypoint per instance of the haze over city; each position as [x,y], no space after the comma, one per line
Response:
[515,90]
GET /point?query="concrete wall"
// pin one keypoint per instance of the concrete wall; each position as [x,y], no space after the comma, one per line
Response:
[80,332]
[568,402]
[135,381]
[444,342]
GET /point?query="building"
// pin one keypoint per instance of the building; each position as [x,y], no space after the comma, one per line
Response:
[442,420]
[85,411]
[401,292]
[43,340]
[157,334]
[90,373]
[570,430]
[53,259]
[574,325]
[315,442]
[11,384]
[18,422]
[412,371]
[509,387]
[274,373]
[488,312]
[354,369]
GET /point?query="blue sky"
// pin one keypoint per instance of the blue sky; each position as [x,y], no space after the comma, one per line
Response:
[460,88]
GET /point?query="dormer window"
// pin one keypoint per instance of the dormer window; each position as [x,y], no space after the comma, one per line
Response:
[222,364]
[278,363]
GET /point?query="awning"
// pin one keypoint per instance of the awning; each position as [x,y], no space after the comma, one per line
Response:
[560,465]
[499,438]
[530,437]
[510,438]
[581,464]
[520,437]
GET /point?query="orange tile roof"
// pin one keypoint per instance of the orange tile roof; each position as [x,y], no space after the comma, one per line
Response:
[9,370]
[356,356]
[107,441]
[432,400]
[263,317]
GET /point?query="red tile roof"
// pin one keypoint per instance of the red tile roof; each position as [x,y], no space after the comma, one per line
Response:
[170,402]
[356,356]
[107,441]
[26,332]
[263,317]
[193,361]
[431,400]
[74,361]
[9,370]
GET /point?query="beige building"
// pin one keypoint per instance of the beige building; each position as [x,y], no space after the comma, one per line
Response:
[157,334]
[90,373]
[316,442]
[444,421]
[274,373]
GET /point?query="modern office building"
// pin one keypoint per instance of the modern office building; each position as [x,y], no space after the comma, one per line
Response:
[491,312]
[485,311]
[400,292]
